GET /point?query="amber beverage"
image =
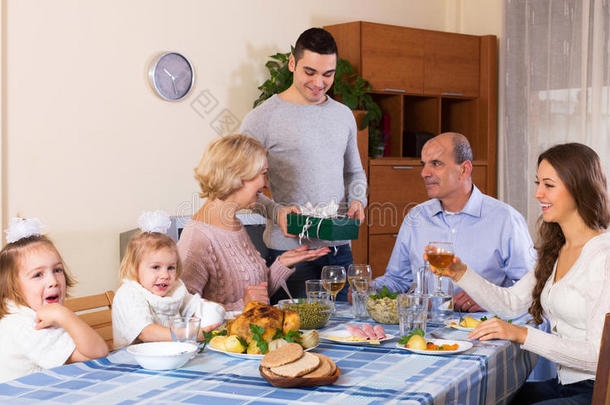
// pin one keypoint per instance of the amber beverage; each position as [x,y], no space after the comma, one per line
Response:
[440,260]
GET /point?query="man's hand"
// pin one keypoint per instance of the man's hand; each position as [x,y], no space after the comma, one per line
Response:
[356,210]
[256,293]
[282,220]
[463,302]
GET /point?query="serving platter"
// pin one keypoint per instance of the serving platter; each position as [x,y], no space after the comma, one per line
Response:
[245,356]
[462,347]
[339,336]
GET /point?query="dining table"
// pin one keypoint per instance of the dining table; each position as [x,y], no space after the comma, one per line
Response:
[370,374]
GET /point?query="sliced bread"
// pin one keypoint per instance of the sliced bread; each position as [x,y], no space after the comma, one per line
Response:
[323,370]
[283,355]
[304,365]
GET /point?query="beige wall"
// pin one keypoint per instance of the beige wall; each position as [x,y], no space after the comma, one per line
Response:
[86,145]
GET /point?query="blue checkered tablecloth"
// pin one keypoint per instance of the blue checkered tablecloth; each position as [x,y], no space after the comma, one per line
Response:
[380,374]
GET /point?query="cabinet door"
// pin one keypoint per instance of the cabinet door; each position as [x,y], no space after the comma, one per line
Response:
[393,191]
[393,57]
[380,250]
[451,64]
[479,178]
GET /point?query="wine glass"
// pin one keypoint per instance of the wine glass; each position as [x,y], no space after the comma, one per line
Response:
[359,277]
[333,280]
[440,256]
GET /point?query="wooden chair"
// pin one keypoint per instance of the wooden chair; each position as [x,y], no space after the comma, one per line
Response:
[96,311]
[601,389]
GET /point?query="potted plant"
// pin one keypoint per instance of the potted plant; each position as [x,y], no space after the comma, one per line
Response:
[349,88]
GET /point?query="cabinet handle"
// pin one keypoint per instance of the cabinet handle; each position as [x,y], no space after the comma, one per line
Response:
[396,90]
[402,167]
[395,235]
[452,94]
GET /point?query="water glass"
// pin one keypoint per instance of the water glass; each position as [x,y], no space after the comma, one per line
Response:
[441,299]
[184,329]
[313,288]
[422,278]
[412,312]
[359,299]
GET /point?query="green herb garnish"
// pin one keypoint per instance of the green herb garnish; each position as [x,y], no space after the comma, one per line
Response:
[292,336]
[403,340]
[484,318]
[257,336]
[384,292]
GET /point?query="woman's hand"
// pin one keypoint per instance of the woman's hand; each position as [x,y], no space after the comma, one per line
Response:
[282,219]
[301,254]
[256,293]
[495,328]
[455,271]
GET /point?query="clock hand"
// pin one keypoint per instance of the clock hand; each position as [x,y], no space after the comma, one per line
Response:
[174,84]
[169,74]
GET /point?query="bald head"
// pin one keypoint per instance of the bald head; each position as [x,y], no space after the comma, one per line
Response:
[461,147]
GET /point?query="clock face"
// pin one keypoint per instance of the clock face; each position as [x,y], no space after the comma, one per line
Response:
[172,76]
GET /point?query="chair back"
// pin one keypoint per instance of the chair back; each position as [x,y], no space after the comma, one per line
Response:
[601,389]
[96,311]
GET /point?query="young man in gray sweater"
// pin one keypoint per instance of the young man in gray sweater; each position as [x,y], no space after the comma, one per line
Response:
[313,155]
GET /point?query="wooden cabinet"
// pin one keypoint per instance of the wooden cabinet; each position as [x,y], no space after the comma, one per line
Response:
[426,82]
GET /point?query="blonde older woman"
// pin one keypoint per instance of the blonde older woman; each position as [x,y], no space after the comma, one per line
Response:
[220,262]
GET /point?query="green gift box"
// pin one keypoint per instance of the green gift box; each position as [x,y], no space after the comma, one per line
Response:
[339,228]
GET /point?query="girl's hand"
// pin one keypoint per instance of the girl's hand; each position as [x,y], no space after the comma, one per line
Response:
[301,254]
[257,293]
[51,315]
[209,328]
[495,328]
[455,271]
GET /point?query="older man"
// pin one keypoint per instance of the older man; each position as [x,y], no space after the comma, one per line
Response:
[488,234]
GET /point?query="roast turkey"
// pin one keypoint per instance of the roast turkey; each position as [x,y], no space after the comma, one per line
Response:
[269,317]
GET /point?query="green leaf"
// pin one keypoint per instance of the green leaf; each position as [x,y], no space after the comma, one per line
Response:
[257,330]
[263,346]
[242,341]
[278,334]
[404,340]
[293,336]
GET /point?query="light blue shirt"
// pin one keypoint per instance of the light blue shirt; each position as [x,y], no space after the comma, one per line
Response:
[488,235]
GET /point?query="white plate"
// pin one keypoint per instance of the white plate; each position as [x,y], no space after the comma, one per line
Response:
[457,325]
[462,347]
[245,355]
[343,333]
[232,314]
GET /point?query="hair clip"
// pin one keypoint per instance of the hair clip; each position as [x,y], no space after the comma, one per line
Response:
[19,228]
[154,221]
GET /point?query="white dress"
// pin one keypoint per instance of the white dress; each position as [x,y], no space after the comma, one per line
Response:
[25,350]
[134,308]
[575,306]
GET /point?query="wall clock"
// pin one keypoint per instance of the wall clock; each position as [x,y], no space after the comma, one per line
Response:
[172,76]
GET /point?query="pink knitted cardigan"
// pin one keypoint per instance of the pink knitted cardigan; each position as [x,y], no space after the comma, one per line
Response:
[218,264]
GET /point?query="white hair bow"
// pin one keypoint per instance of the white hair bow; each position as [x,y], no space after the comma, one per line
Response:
[154,221]
[19,228]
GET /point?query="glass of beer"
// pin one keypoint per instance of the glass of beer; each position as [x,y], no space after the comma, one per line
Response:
[440,256]
[333,280]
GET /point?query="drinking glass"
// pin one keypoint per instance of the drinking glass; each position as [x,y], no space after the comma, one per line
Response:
[333,280]
[412,312]
[184,329]
[313,289]
[440,256]
[441,301]
[359,277]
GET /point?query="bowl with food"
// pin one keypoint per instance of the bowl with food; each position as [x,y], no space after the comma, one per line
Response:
[383,306]
[314,315]
[162,355]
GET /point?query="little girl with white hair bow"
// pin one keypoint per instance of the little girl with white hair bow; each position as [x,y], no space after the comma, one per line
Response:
[151,292]
[36,330]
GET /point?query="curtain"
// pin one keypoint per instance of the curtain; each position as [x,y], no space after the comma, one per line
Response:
[554,86]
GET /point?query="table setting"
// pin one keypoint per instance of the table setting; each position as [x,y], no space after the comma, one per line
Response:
[372,362]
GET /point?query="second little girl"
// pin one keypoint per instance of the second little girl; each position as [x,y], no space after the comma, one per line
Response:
[151,292]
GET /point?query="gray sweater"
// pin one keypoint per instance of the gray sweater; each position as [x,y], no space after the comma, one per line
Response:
[313,157]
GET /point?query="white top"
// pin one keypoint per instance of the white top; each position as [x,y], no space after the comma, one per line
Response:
[575,306]
[134,308]
[25,350]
